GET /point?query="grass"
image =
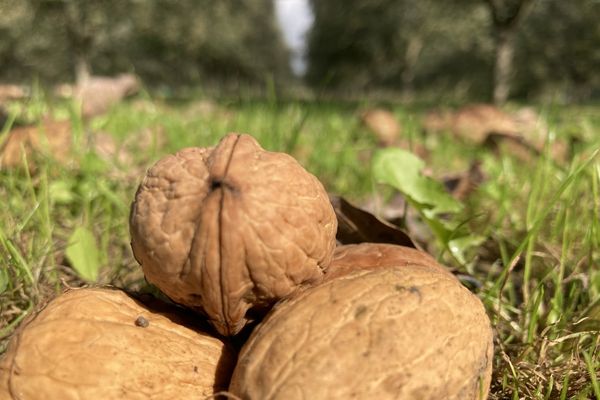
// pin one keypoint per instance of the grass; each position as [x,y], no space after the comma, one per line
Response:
[538,262]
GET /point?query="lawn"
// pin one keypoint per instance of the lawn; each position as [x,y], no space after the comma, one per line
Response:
[531,228]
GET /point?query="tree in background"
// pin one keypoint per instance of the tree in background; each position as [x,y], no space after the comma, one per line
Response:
[164,41]
[475,49]
[506,16]
[352,43]
[364,44]
[54,39]
[558,51]
[465,49]
[232,39]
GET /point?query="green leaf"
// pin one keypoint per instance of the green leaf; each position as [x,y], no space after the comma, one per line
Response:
[402,170]
[83,254]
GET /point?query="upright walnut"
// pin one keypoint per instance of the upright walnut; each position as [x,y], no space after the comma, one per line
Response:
[230,230]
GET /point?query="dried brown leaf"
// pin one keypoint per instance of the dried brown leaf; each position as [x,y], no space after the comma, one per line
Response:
[356,225]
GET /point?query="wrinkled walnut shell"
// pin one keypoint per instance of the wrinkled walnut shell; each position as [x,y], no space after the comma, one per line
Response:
[103,344]
[348,258]
[230,230]
[405,332]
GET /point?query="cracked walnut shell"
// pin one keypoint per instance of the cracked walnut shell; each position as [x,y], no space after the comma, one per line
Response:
[230,230]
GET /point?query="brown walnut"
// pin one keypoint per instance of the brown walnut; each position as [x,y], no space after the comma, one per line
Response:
[350,257]
[90,344]
[230,230]
[396,326]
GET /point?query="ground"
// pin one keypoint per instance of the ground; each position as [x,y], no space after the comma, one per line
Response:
[531,224]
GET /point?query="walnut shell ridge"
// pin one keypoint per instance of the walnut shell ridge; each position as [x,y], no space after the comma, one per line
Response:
[410,331]
[352,257]
[104,344]
[230,230]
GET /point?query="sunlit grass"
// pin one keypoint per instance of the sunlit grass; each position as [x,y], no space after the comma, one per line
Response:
[538,266]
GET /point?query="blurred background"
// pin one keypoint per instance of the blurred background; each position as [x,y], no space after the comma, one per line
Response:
[463,50]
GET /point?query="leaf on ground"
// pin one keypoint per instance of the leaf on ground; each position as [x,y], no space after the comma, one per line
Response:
[515,145]
[383,124]
[49,137]
[402,170]
[356,225]
[83,254]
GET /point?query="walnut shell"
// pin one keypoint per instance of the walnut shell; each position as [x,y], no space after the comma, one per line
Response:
[349,258]
[103,344]
[232,229]
[405,332]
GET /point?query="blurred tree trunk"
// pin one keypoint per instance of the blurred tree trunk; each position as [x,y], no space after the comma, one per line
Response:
[81,38]
[503,64]
[411,57]
[506,16]
[82,69]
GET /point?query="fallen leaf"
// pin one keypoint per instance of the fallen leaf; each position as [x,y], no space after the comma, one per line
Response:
[383,124]
[524,133]
[98,93]
[512,144]
[356,225]
[50,137]
[474,122]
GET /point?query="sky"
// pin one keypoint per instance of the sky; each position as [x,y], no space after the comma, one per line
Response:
[295,18]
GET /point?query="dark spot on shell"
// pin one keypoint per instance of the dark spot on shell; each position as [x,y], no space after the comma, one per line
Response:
[141,322]
[399,288]
[360,311]
[215,184]
[410,289]
[414,290]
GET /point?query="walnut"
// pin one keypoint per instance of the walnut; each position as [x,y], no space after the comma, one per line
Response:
[85,344]
[396,326]
[230,230]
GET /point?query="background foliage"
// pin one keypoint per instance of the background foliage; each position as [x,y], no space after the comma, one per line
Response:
[430,46]
[163,41]
[448,46]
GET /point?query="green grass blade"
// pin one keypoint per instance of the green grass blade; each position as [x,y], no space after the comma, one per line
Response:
[499,284]
[593,377]
[17,257]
